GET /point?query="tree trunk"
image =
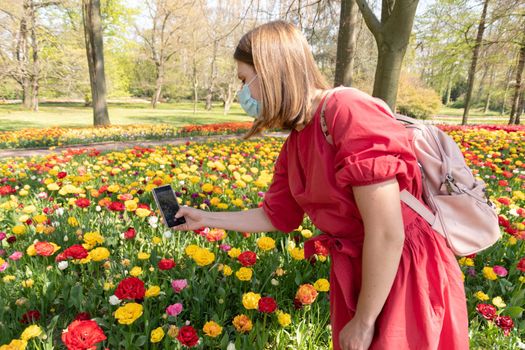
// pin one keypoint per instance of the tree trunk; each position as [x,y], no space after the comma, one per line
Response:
[474,63]
[507,84]
[346,43]
[213,76]
[392,36]
[489,92]
[95,56]
[35,76]
[159,81]
[22,56]
[387,73]
[449,90]
[518,87]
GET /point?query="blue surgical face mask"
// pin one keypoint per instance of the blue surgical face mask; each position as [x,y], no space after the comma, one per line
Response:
[250,105]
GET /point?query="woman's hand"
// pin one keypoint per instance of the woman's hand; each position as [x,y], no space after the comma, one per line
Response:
[356,335]
[194,219]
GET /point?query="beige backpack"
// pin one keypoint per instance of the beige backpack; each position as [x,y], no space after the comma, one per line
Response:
[460,208]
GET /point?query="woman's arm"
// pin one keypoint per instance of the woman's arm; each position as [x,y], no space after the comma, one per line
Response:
[252,220]
[380,209]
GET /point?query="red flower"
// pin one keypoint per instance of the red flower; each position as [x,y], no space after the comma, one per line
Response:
[504,201]
[117,206]
[83,316]
[83,335]
[188,336]
[505,323]
[130,233]
[267,305]
[82,202]
[44,248]
[61,174]
[166,264]
[30,316]
[103,189]
[144,206]
[487,311]
[521,265]
[6,190]
[76,251]
[321,249]
[247,258]
[130,288]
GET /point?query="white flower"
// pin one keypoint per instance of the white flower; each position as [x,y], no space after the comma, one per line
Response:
[167,234]
[42,195]
[513,212]
[114,300]
[274,282]
[98,208]
[60,211]
[66,238]
[231,346]
[62,265]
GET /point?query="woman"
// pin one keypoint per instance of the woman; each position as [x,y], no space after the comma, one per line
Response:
[394,282]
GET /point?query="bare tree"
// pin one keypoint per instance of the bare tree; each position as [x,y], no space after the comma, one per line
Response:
[474,62]
[516,108]
[392,36]
[346,42]
[95,57]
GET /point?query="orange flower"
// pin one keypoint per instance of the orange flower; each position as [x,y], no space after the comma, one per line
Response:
[306,294]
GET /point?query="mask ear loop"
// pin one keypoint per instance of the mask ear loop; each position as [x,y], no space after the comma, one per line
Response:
[251,81]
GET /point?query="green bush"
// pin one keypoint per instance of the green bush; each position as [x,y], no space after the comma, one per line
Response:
[416,100]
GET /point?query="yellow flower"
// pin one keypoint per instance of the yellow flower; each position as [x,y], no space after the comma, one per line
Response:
[212,329]
[93,238]
[242,323]
[512,240]
[142,212]
[8,278]
[207,188]
[203,257]
[152,291]
[191,250]
[498,301]
[28,283]
[108,286]
[466,261]
[72,221]
[136,271]
[15,344]
[522,279]
[266,243]
[19,229]
[226,270]
[283,318]
[53,187]
[234,253]
[244,274]
[481,296]
[31,251]
[279,272]
[250,300]
[130,205]
[99,254]
[306,233]
[113,188]
[29,209]
[489,273]
[128,313]
[32,331]
[173,331]
[297,253]
[40,218]
[322,285]
[143,256]
[157,335]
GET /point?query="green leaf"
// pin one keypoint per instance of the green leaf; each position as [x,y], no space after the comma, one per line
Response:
[513,311]
[141,340]
[75,295]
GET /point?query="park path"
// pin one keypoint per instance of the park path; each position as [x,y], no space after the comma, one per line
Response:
[120,145]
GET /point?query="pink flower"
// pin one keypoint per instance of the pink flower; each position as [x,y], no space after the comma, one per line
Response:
[179,285]
[2,236]
[500,271]
[225,247]
[16,256]
[4,266]
[174,309]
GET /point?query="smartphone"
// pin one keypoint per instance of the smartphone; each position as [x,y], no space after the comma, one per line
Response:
[167,202]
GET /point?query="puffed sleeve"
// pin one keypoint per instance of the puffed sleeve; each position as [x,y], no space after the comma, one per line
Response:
[279,205]
[371,146]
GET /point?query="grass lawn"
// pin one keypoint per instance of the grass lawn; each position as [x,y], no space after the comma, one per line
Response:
[72,114]
[14,117]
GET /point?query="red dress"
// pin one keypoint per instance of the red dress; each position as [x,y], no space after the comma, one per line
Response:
[426,307]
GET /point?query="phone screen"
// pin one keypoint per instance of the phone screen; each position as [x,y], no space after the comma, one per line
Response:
[168,205]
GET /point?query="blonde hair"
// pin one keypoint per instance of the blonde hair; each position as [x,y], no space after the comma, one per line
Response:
[287,73]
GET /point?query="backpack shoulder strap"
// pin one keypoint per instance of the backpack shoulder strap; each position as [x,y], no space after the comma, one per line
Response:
[324,126]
